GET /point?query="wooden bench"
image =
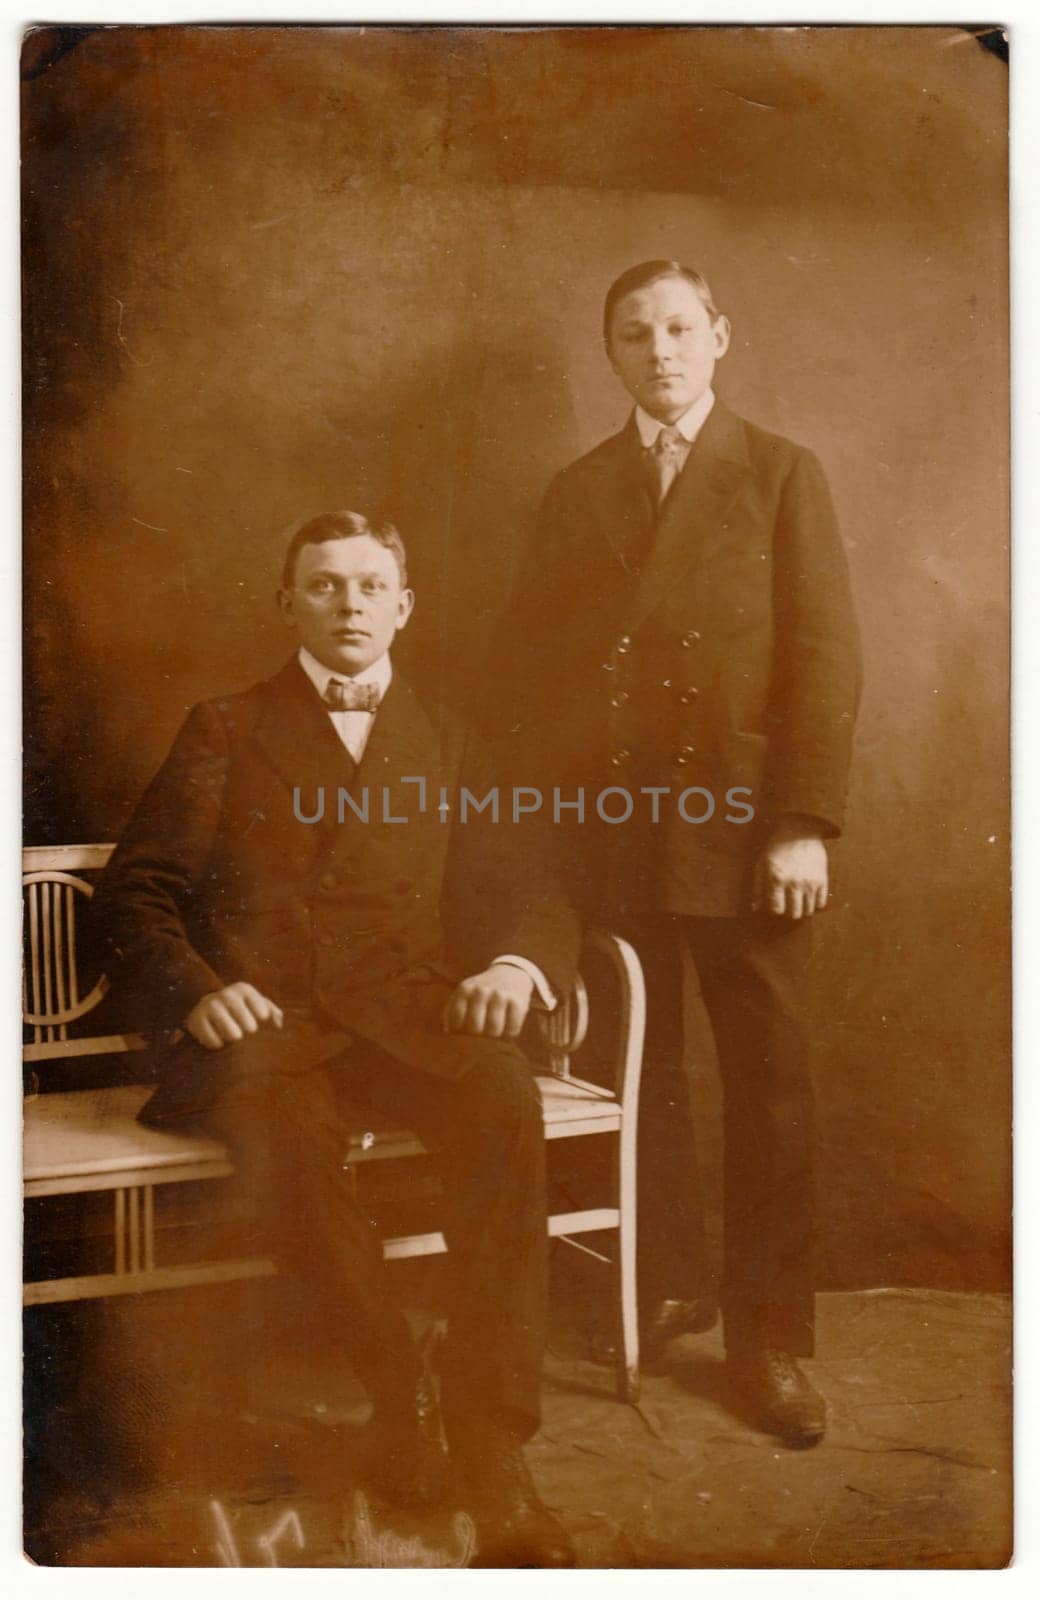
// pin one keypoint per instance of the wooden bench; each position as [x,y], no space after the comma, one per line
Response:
[87,1140]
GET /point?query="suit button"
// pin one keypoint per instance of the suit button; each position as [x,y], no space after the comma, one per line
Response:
[623,645]
[683,756]
[608,666]
[690,639]
[688,695]
[619,699]
[328,880]
[619,758]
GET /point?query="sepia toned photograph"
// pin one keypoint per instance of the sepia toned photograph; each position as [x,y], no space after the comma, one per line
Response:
[516,947]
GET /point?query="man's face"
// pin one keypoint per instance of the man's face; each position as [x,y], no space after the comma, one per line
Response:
[346,602]
[664,346]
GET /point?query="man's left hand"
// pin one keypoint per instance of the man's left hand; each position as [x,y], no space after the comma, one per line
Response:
[494,1004]
[791,873]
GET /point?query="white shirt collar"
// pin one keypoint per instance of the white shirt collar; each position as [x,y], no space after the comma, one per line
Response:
[380,672]
[689,424]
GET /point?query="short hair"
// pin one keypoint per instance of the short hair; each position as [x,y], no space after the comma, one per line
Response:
[648,272]
[344,525]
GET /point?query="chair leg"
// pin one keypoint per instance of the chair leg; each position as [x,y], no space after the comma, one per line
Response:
[628,1308]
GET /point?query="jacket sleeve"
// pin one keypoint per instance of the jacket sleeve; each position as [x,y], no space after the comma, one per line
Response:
[816,664]
[151,891]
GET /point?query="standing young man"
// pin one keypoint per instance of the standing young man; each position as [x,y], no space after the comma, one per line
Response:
[684,632]
[278,901]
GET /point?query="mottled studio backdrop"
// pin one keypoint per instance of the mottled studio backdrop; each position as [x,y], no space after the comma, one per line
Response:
[271,272]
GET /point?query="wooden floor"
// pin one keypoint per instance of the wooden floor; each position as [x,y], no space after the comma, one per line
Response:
[168,1448]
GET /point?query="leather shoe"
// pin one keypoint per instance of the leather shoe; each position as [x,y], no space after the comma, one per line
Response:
[664,1321]
[514,1528]
[783,1399]
[669,1319]
[403,1453]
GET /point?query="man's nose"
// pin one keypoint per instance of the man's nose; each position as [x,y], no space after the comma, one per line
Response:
[661,344]
[350,597]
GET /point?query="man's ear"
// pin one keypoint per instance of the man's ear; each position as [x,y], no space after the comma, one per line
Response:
[405,607]
[721,329]
[285,606]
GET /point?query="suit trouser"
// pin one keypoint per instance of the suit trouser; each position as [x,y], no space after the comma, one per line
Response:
[286,1129]
[754,974]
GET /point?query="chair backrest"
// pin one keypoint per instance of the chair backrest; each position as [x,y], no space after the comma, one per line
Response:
[565,1028]
[52,997]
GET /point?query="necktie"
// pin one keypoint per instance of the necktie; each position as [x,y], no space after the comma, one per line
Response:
[665,460]
[340,696]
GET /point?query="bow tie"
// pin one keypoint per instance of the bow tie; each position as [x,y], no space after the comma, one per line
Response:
[340,696]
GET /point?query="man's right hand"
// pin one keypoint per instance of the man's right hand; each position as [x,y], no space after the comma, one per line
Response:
[229,1014]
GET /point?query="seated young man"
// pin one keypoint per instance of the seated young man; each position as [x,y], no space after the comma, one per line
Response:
[280,900]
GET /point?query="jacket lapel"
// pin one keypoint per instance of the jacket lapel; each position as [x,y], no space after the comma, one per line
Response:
[694,520]
[622,509]
[298,739]
[402,745]
[402,741]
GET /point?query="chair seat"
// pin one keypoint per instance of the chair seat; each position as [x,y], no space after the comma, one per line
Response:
[90,1139]
[570,1108]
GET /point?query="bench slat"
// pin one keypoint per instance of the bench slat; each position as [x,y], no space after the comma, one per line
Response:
[65,857]
[99,1044]
[86,1134]
[53,1291]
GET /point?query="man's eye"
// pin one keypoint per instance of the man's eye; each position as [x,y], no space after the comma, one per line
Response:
[373,586]
[321,586]
[677,329]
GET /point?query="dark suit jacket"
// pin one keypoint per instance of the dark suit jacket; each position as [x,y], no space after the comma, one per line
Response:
[216,878]
[716,650]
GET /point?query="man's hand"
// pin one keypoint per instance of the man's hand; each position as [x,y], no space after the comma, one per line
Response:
[229,1014]
[791,873]
[495,1003]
